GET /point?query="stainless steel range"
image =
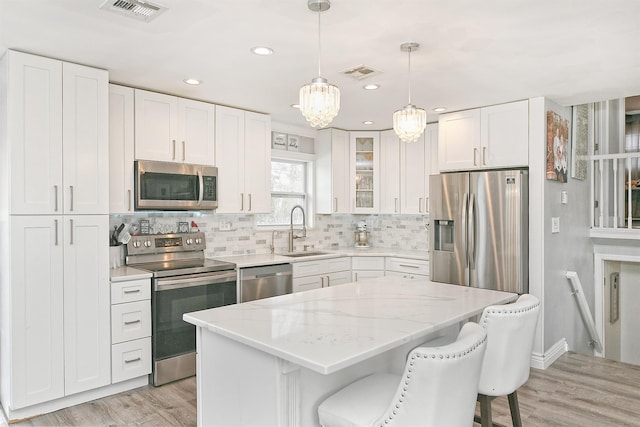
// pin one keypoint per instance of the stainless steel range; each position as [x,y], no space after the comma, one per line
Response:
[183,281]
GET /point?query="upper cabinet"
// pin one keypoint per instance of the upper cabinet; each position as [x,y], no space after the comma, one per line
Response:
[389,172]
[365,171]
[57,136]
[172,129]
[243,150]
[482,138]
[418,160]
[332,171]
[121,149]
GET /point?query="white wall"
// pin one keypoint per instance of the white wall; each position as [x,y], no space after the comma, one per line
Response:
[629,314]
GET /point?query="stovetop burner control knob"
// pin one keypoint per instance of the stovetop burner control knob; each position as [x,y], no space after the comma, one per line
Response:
[189,241]
[136,244]
[147,243]
[198,240]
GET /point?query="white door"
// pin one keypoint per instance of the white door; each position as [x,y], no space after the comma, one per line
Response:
[87,333]
[413,176]
[36,311]
[257,163]
[196,123]
[120,149]
[34,128]
[505,135]
[431,160]
[340,170]
[156,126]
[390,172]
[459,140]
[85,131]
[230,159]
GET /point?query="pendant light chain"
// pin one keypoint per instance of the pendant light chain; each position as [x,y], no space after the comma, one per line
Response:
[409,53]
[319,46]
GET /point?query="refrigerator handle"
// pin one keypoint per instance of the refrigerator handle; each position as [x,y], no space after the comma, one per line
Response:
[472,232]
[465,204]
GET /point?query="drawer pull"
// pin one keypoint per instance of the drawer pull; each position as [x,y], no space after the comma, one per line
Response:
[134,291]
[131,322]
[137,359]
[409,266]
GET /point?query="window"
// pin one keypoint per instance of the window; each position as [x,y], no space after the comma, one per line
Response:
[289,187]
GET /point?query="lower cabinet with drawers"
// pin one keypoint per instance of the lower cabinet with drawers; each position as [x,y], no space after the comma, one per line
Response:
[321,273]
[406,268]
[365,267]
[130,329]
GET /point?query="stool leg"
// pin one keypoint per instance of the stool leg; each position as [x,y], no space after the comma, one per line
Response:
[485,410]
[515,409]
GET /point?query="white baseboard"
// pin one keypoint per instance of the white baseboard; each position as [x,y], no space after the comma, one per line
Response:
[543,361]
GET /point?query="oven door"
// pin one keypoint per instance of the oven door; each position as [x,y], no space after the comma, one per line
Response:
[174,296]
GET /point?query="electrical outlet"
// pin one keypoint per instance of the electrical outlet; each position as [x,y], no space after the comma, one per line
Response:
[225,225]
[555,224]
[564,197]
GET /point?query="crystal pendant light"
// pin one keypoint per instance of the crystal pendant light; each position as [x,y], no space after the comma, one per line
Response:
[319,100]
[410,122]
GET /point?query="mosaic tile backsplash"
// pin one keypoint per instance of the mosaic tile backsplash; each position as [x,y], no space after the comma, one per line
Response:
[238,235]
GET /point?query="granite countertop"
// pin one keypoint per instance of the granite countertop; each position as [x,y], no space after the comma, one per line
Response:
[255,260]
[328,329]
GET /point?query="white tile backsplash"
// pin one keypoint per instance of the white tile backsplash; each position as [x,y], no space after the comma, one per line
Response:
[229,234]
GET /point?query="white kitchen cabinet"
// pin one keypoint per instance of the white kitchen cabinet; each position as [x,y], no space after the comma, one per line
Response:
[243,151]
[321,273]
[488,137]
[332,172]
[57,128]
[390,171]
[416,165]
[406,268]
[58,314]
[365,171]
[366,267]
[86,302]
[121,149]
[173,129]
[130,329]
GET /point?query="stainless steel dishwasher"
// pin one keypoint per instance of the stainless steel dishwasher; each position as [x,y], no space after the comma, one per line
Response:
[264,282]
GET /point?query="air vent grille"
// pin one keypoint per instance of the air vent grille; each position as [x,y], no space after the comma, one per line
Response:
[360,72]
[138,9]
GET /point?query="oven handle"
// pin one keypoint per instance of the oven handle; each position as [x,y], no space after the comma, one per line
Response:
[167,284]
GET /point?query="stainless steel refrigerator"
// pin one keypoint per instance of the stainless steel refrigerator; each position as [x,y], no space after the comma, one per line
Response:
[479,229]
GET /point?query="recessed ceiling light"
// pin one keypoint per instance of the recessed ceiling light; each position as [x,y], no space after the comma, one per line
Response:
[295,106]
[439,109]
[371,86]
[367,122]
[262,50]
[192,81]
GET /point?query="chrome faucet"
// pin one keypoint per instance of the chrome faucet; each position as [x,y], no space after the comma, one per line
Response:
[304,228]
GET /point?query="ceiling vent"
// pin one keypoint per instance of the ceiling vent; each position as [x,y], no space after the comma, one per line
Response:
[361,72]
[138,9]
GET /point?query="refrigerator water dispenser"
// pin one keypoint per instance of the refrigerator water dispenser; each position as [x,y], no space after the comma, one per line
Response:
[443,238]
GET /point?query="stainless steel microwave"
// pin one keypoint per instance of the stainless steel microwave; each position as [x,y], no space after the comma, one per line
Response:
[175,186]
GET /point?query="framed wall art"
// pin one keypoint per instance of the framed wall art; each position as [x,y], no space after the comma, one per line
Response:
[582,139]
[557,147]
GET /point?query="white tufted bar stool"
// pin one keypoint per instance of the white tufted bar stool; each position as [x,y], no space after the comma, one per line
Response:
[438,388]
[510,332]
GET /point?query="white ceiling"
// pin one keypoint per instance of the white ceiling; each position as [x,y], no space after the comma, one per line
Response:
[472,53]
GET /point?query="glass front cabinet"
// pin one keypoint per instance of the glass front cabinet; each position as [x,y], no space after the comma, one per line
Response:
[365,172]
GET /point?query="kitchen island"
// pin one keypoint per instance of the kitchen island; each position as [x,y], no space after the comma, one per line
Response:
[271,362]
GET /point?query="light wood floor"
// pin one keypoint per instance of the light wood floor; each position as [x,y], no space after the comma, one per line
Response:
[576,390]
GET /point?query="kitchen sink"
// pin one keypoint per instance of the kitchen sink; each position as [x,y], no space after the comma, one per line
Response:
[304,253]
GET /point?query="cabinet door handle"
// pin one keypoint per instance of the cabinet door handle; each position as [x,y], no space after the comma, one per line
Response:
[335,204]
[328,282]
[356,274]
[322,282]
[173,156]
[395,205]
[475,153]
[132,322]
[409,266]
[129,199]
[184,151]
[71,198]
[132,291]
[137,359]
[426,205]
[484,156]
[55,202]
[241,201]
[55,221]
[249,202]
[71,232]
[420,204]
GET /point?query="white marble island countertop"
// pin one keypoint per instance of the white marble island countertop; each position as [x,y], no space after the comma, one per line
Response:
[328,329]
